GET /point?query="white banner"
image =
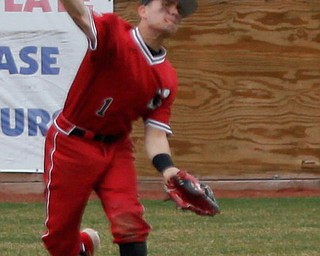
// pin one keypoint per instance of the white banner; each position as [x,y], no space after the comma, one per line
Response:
[40,51]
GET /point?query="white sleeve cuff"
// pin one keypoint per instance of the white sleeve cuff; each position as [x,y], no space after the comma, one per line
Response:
[93,42]
[159,125]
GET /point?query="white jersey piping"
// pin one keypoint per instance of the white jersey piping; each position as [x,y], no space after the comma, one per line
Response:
[153,60]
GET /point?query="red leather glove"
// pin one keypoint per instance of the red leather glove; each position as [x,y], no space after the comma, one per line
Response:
[190,194]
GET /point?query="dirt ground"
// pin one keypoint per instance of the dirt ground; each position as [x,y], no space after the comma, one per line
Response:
[160,195]
[29,188]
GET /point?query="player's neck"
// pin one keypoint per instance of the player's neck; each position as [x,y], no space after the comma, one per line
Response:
[152,39]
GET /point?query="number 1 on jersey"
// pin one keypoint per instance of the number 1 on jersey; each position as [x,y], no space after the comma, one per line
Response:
[106,104]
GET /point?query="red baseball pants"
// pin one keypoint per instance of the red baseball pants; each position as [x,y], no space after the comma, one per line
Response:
[73,168]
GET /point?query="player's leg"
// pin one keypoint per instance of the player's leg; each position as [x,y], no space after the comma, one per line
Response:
[119,196]
[68,184]
[133,249]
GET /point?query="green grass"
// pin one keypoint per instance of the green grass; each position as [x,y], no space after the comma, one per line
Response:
[246,227]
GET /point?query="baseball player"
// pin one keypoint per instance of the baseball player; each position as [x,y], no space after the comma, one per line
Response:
[124,76]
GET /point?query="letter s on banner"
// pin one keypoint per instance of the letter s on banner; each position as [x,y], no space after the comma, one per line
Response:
[28,56]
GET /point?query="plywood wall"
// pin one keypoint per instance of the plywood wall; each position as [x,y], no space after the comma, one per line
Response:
[249,97]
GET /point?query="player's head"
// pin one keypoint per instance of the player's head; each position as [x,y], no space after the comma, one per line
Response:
[162,17]
[185,7]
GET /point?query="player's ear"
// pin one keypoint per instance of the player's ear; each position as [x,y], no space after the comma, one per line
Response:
[142,11]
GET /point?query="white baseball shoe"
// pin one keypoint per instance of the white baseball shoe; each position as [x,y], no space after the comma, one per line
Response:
[90,241]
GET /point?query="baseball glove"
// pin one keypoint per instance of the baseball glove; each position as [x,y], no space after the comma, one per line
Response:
[190,194]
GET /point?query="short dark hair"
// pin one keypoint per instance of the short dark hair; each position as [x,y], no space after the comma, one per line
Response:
[187,7]
[145,2]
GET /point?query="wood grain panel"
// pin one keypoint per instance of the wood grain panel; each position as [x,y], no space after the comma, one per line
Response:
[249,97]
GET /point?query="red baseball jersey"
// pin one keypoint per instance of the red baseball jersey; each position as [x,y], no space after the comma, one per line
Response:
[119,81]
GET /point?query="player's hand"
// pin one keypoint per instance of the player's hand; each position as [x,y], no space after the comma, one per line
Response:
[169,173]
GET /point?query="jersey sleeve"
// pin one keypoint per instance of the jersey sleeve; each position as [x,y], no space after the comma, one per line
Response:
[104,27]
[160,116]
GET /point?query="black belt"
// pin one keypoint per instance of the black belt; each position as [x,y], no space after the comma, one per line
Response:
[108,139]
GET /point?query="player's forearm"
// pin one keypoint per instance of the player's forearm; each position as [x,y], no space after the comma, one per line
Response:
[156,142]
[158,151]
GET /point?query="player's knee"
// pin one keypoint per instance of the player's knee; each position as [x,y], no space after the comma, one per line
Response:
[133,249]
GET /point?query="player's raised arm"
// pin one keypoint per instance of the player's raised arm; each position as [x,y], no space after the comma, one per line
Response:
[80,15]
